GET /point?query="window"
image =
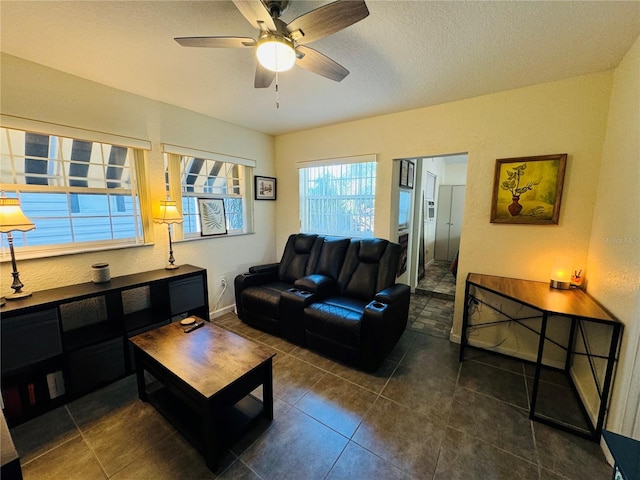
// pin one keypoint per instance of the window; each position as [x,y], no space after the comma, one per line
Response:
[337,197]
[209,175]
[78,193]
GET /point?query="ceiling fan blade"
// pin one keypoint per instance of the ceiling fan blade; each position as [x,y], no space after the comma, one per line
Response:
[216,42]
[264,77]
[326,20]
[256,14]
[316,62]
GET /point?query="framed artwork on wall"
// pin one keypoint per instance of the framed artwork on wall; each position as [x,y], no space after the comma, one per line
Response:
[265,188]
[528,190]
[410,174]
[404,173]
[212,217]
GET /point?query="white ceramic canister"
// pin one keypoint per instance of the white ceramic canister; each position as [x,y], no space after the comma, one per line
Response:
[100,273]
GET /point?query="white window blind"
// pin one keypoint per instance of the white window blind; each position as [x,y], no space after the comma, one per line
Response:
[337,196]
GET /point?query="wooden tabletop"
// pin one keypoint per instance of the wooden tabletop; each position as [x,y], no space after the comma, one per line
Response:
[540,295]
[208,359]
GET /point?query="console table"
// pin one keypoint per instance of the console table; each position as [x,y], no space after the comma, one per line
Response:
[61,343]
[573,344]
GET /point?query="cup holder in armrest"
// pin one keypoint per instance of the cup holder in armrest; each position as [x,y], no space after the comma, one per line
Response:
[378,305]
[299,291]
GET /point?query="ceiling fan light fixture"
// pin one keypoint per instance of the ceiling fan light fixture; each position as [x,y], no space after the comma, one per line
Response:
[276,52]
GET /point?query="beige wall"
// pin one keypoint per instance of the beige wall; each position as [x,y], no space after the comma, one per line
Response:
[36,92]
[613,267]
[561,117]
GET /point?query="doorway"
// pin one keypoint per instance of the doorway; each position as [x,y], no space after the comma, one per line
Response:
[439,222]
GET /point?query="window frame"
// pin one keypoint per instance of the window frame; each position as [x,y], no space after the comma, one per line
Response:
[305,224]
[173,158]
[59,135]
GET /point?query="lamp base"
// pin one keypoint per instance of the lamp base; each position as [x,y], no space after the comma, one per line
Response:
[171,267]
[560,285]
[18,295]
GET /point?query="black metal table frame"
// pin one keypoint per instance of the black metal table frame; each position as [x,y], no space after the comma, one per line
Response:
[576,325]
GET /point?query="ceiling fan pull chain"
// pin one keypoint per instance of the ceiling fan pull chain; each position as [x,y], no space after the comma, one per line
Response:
[277,93]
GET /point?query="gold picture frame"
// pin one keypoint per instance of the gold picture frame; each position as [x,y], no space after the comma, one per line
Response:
[528,190]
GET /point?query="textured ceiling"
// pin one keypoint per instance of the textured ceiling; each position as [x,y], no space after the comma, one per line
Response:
[404,55]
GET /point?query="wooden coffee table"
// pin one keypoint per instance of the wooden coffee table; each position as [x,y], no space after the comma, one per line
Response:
[204,381]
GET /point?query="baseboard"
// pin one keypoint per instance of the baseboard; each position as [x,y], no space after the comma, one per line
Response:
[222,311]
[506,351]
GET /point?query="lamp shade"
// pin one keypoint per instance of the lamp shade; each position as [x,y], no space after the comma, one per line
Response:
[12,218]
[561,272]
[275,52]
[168,213]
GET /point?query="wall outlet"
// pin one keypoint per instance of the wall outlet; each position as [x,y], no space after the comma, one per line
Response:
[223,281]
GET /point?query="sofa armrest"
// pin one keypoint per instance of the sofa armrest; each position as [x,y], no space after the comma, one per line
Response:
[245,280]
[383,321]
[266,268]
[393,294]
[319,284]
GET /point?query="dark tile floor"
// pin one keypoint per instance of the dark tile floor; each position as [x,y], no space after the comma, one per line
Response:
[422,415]
[438,281]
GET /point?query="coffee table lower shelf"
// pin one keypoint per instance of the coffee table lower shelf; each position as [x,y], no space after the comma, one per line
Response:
[233,423]
[203,383]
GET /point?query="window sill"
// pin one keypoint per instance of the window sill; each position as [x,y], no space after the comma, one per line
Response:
[209,237]
[53,253]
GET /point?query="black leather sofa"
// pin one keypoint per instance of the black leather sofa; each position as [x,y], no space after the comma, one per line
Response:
[334,295]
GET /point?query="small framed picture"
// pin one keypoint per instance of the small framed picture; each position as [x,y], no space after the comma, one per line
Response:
[212,217]
[265,188]
[410,174]
[404,173]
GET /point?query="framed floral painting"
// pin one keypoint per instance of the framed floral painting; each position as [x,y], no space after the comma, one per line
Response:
[528,190]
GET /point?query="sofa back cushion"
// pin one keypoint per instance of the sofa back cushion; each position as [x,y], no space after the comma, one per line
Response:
[332,256]
[370,266]
[299,257]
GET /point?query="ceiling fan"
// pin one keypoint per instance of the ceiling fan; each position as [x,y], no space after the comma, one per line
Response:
[281,45]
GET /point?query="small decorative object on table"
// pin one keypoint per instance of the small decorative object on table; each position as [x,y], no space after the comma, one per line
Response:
[100,273]
[576,278]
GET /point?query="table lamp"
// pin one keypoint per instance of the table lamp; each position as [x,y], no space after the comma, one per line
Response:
[561,272]
[169,214]
[13,219]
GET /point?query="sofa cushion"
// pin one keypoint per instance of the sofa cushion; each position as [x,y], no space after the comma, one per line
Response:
[338,318]
[332,257]
[298,257]
[264,299]
[371,250]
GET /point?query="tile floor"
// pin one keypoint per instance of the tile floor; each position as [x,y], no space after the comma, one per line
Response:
[422,415]
[438,281]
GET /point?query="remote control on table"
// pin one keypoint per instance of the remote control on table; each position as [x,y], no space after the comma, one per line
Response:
[194,326]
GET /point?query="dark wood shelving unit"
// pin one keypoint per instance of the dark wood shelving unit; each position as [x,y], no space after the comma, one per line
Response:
[61,343]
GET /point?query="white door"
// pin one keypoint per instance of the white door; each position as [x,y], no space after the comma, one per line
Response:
[449,221]
[455,220]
